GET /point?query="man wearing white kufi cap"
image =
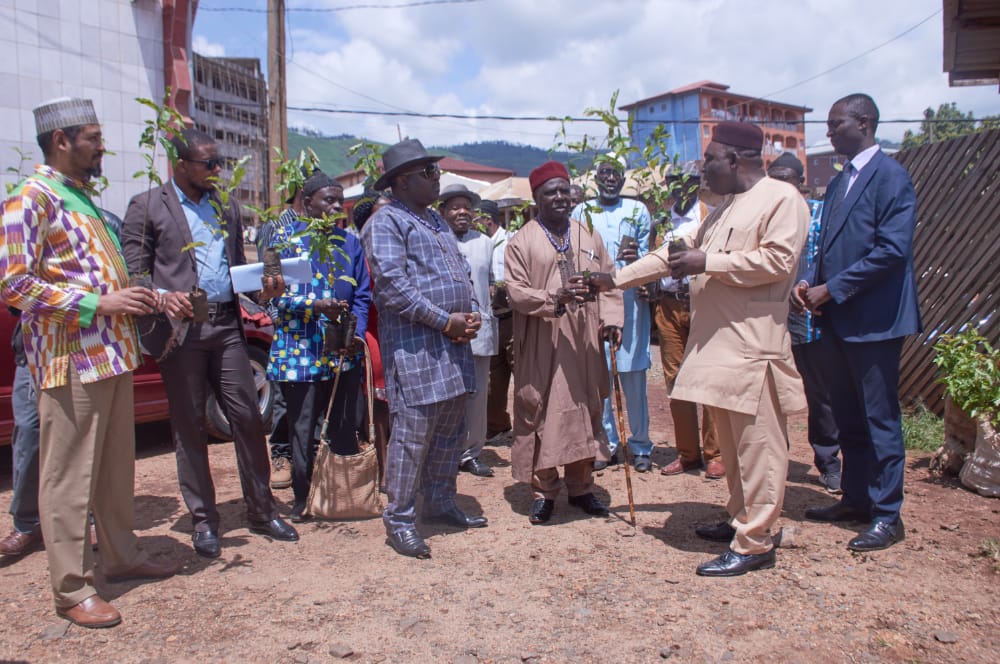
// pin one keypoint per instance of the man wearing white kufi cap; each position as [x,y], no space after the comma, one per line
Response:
[63,268]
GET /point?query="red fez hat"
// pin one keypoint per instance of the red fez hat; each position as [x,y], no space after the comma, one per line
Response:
[545,172]
[739,135]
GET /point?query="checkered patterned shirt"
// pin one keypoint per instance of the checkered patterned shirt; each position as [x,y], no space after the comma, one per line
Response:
[419,278]
[57,256]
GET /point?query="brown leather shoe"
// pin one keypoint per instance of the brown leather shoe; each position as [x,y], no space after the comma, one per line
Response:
[678,466]
[715,470]
[92,613]
[18,543]
[150,569]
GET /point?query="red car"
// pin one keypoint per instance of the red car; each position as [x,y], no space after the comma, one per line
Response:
[150,397]
[151,400]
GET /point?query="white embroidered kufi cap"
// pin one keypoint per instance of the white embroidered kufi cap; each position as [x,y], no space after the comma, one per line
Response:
[63,112]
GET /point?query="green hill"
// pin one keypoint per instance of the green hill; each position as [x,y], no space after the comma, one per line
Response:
[332,152]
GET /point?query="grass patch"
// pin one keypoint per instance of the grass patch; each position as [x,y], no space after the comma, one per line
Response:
[922,429]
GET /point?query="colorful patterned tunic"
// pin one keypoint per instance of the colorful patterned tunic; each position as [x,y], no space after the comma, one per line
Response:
[57,256]
[297,348]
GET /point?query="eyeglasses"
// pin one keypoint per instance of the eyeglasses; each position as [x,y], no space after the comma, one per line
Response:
[428,172]
[210,164]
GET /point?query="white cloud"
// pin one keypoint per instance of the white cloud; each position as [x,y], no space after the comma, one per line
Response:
[557,57]
[201,46]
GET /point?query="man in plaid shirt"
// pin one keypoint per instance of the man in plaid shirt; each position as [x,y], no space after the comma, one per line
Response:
[427,316]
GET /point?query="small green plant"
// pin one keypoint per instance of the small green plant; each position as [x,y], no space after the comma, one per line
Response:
[293,173]
[990,549]
[970,373]
[22,157]
[652,162]
[519,216]
[922,429]
[156,134]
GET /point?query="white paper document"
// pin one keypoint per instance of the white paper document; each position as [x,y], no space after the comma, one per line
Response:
[246,278]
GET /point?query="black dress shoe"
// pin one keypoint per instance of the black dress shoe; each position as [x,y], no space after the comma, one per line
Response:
[298,514]
[456,517]
[589,503]
[276,528]
[720,532]
[409,543]
[541,511]
[734,564]
[881,535]
[476,467]
[206,543]
[839,511]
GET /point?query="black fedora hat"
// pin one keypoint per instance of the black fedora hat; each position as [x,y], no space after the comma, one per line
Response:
[454,190]
[396,158]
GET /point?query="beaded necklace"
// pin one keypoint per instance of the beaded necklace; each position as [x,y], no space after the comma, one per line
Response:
[437,220]
[562,250]
[561,247]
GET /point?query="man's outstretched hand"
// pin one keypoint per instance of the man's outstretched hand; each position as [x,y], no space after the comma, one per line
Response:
[602,281]
[686,263]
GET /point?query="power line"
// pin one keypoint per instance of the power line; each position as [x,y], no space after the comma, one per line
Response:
[850,60]
[328,10]
[554,118]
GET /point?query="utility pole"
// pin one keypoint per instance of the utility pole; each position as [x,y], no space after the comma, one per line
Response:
[277,118]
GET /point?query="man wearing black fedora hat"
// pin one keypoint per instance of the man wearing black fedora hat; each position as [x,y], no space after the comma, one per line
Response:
[427,317]
[456,205]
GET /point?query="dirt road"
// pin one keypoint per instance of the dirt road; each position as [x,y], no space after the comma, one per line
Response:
[577,590]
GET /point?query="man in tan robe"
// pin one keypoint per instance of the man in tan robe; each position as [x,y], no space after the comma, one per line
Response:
[738,360]
[560,378]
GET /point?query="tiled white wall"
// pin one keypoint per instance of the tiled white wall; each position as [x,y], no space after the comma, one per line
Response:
[110,51]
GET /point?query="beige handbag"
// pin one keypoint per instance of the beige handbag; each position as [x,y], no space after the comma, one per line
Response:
[346,487]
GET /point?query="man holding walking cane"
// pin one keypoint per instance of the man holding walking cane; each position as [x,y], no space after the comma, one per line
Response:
[560,378]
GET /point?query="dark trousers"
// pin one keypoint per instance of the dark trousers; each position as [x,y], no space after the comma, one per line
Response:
[501,368]
[863,381]
[24,440]
[822,425]
[280,447]
[214,355]
[307,404]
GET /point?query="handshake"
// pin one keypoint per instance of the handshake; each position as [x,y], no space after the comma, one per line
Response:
[682,261]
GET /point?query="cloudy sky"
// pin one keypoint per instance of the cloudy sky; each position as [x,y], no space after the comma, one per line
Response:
[559,57]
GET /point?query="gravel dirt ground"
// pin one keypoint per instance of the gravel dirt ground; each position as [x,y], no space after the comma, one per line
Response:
[577,590]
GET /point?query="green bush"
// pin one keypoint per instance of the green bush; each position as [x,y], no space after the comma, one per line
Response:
[970,373]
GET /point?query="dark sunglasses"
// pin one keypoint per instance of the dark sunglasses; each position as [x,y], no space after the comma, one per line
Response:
[428,172]
[210,164]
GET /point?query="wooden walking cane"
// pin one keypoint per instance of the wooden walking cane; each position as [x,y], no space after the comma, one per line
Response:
[622,440]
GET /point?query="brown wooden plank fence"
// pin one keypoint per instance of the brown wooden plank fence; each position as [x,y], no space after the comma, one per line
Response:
[956,251]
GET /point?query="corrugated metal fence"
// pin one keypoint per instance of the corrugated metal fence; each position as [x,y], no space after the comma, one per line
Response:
[956,251]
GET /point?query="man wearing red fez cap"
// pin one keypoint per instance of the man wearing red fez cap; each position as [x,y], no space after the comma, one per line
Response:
[738,361]
[560,378]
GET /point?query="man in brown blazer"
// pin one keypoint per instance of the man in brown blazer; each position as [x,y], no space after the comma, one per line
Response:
[738,361]
[174,235]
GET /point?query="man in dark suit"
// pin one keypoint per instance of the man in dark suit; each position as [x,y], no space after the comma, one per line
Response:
[862,288]
[174,234]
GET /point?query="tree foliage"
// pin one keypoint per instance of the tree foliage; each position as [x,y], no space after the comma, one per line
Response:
[946,123]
